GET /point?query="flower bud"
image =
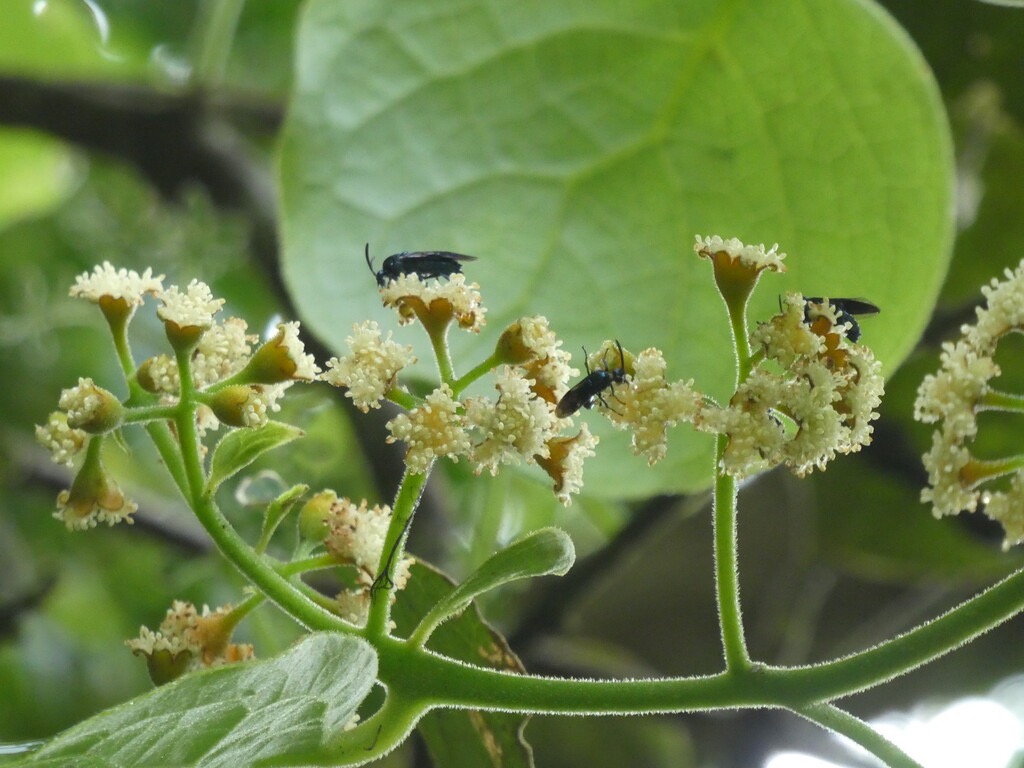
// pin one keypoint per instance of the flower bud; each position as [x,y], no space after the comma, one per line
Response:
[164,666]
[91,408]
[94,497]
[239,406]
[281,359]
[314,517]
[512,347]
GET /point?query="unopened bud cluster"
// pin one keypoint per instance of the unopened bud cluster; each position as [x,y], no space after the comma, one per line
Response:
[188,639]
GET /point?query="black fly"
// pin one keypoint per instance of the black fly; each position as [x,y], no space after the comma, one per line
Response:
[424,264]
[845,311]
[592,386]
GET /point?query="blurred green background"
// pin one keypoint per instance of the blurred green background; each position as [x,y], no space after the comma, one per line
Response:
[116,144]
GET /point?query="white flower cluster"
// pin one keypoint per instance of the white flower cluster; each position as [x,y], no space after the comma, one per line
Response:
[192,308]
[371,367]
[649,404]
[516,425]
[955,395]
[107,284]
[820,403]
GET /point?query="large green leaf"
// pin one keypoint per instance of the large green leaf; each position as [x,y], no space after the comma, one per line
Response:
[577,147]
[229,716]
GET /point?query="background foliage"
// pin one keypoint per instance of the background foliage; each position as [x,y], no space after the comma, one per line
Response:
[578,169]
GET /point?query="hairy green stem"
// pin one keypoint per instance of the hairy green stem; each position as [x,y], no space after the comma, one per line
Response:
[167,447]
[727,587]
[445,682]
[406,500]
[143,413]
[257,569]
[856,730]
[439,343]
[119,332]
[994,400]
[475,373]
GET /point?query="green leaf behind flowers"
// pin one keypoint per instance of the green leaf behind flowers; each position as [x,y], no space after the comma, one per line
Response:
[576,148]
[241,447]
[539,553]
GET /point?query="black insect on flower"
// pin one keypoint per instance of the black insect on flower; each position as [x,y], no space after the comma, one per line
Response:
[592,386]
[845,311]
[424,264]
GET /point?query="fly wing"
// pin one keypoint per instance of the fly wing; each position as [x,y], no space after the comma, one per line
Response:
[437,257]
[856,306]
[852,306]
[434,263]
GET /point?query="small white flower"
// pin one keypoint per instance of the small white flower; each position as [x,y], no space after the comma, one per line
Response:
[953,394]
[432,430]
[371,367]
[63,442]
[648,405]
[90,407]
[355,533]
[786,337]
[193,308]
[305,365]
[435,303]
[1008,508]
[1003,311]
[946,491]
[222,352]
[515,426]
[564,462]
[753,257]
[106,282]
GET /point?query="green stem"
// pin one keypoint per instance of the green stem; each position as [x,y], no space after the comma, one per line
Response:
[859,732]
[419,674]
[167,447]
[256,569]
[214,32]
[439,342]
[372,738]
[727,588]
[243,609]
[143,413]
[406,500]
[315,563]
[443,682]
[994,400]
[900,655]
[977,471]
[119,333]
[186,427]
[740,339]
[475,373]
[402,398]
